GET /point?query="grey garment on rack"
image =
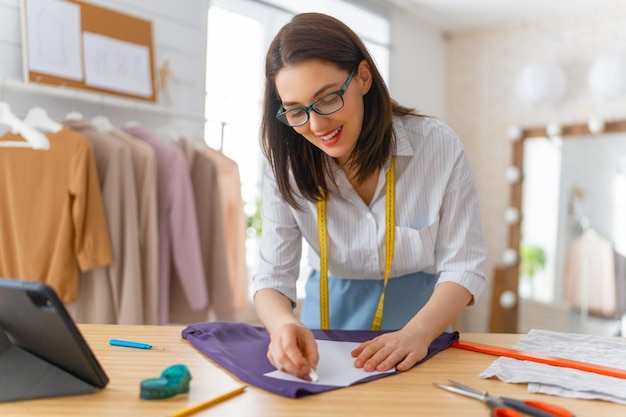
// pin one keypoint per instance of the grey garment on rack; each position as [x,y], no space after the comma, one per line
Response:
[113,294]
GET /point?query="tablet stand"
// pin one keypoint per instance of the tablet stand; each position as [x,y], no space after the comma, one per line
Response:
[25,376]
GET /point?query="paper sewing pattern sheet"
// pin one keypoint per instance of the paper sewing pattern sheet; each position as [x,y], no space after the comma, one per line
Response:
[566,382]
[335,367]
[53,29]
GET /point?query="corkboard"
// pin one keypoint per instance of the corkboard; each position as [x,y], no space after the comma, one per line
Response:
[115,25]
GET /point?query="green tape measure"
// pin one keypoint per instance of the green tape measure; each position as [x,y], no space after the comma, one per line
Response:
[173,381]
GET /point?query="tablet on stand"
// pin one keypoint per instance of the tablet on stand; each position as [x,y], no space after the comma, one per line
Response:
[42,352]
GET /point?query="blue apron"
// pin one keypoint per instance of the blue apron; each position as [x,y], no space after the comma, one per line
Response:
[352,302]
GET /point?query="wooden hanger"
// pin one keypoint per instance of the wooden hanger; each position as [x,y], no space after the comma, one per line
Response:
[33,138]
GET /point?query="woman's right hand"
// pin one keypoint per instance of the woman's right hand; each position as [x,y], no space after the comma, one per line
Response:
[293,349]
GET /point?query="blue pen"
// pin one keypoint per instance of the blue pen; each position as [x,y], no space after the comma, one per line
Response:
[136,345]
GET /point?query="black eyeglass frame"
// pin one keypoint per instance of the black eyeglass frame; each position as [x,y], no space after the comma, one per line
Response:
[281,114]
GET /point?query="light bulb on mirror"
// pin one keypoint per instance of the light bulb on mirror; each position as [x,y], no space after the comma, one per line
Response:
[511,215]
[508,299]
[596,125]
[509,257]
[554,129]
[512,174]
[514,133]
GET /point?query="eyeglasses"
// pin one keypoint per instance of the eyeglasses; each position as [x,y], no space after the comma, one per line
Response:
[325,105]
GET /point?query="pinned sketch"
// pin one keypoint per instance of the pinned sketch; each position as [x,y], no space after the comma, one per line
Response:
[335,367]
[53,30]
[117,65]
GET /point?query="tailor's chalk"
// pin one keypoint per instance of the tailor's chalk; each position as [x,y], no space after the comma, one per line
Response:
[313,375]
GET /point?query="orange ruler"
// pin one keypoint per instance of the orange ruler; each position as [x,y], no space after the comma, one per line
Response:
[534,357]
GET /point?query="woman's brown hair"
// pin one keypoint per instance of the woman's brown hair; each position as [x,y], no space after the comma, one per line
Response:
[315,36]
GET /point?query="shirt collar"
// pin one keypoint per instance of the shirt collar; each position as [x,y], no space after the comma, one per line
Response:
[403,144]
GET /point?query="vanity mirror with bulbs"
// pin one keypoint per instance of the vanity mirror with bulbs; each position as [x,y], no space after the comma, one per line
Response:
[565,265]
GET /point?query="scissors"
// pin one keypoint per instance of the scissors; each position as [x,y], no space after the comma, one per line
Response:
[508,407]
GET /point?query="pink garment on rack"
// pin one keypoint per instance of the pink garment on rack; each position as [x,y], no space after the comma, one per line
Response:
[179,245]
[211,230]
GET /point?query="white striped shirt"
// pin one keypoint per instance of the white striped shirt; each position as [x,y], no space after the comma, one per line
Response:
[438,228]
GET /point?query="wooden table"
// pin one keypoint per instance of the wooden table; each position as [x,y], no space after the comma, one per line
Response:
[408,394]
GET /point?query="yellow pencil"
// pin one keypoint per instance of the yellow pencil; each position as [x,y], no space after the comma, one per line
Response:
[205,404]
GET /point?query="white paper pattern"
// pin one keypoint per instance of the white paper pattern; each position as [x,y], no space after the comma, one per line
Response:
[335,367]
[566,382]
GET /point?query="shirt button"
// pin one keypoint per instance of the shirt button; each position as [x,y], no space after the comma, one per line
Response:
[369,216]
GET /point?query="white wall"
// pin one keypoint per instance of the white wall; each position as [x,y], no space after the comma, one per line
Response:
[179,35]
[418,64]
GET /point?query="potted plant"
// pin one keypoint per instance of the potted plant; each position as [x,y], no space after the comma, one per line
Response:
[532,260]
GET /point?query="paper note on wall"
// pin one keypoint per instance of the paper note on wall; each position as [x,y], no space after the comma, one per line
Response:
[117,65]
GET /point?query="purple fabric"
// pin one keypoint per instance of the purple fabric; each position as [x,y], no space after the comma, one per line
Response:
[242,348]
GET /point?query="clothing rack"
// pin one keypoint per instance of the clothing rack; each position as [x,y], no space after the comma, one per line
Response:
[90,97]
[137,275]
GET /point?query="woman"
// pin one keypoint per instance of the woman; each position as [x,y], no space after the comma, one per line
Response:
[385,198]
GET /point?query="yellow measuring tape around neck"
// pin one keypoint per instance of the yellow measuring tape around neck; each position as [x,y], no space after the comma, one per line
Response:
[390,222]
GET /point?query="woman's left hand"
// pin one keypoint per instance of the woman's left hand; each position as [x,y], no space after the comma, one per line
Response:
[400,349]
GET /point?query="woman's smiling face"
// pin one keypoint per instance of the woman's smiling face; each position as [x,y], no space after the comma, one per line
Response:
[300,85]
